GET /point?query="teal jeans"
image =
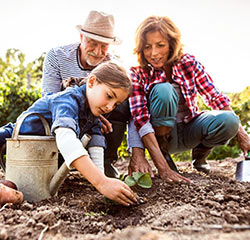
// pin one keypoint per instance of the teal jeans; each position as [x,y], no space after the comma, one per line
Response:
[211,128]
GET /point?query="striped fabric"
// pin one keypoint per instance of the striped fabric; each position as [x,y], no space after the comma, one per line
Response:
[61,63]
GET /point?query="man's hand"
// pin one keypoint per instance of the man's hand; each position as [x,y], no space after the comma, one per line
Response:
[106,125]
[138,162]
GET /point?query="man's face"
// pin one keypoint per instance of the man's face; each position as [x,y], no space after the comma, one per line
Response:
[93,51]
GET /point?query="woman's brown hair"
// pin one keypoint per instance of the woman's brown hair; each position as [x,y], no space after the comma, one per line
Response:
[167,29]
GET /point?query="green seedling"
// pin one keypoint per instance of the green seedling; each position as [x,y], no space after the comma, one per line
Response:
[141,179]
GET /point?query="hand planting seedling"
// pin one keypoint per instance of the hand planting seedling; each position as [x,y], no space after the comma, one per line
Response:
[141,179]
[137,179]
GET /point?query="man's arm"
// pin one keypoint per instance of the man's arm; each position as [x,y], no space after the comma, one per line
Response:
[51,80]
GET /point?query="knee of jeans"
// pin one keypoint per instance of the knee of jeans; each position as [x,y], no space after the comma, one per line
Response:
[231,123]
[3,135]
[165,93]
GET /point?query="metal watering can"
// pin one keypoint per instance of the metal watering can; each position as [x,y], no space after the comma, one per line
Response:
[32,162]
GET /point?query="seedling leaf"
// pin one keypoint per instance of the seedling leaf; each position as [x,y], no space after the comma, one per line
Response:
[145,181]
[137,175]
[130,181]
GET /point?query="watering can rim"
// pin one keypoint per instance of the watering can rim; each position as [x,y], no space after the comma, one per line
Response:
[32,137]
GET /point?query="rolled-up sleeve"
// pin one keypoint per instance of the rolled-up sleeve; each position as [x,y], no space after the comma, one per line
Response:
[65,122]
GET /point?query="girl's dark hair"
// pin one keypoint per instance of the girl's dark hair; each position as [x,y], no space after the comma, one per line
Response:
[108,73]
[72,81]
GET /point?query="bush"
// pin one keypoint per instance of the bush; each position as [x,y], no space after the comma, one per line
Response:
[15,100]
[19,84]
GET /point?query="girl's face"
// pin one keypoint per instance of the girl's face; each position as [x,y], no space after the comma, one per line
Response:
[156,49]
[102,98]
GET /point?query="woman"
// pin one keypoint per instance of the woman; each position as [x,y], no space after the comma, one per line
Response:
[164,107]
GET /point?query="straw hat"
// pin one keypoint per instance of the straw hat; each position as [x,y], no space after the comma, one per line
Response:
[99,26]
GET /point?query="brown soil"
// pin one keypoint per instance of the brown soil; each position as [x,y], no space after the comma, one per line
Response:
[214,206]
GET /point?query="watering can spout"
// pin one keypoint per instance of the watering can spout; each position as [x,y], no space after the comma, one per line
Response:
[59,177]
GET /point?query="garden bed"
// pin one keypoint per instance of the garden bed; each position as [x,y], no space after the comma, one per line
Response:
[214,206]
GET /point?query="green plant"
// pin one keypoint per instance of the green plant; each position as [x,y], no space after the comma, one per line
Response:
[141,179]
[221,152]
[19,84]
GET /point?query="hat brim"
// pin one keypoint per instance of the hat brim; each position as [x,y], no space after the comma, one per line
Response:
[115,41]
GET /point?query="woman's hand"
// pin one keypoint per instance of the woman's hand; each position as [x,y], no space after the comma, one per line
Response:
[171,176]
[138,162]
[242,137]
[243,140]
[160,162]
[117,191]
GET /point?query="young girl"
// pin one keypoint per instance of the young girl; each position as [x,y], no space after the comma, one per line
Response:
[74,112]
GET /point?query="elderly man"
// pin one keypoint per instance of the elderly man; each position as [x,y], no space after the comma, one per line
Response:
[77,60]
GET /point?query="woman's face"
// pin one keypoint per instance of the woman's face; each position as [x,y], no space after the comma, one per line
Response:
[156,49]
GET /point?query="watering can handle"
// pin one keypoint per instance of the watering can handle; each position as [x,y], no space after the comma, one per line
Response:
[21,119]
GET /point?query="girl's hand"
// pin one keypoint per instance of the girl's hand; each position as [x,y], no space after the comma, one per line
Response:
[117,191]
[106,125]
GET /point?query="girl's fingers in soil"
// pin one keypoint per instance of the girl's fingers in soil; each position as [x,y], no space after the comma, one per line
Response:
[129,194]
[124,203]
[126,200]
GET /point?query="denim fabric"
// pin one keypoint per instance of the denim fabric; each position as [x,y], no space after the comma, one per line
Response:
[211,128]
[163,105]
[6,132]
[62,109]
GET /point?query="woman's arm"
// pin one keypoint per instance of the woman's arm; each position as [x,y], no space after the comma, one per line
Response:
[242,137]
[160,162]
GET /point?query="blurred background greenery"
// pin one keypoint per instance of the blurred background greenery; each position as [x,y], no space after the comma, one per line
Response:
[20,86]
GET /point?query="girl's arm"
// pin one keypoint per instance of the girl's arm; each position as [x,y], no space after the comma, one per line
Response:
[111,188]
[76,155]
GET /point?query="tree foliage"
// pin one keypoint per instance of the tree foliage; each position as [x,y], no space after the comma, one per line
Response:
[19,84]
[20,87]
